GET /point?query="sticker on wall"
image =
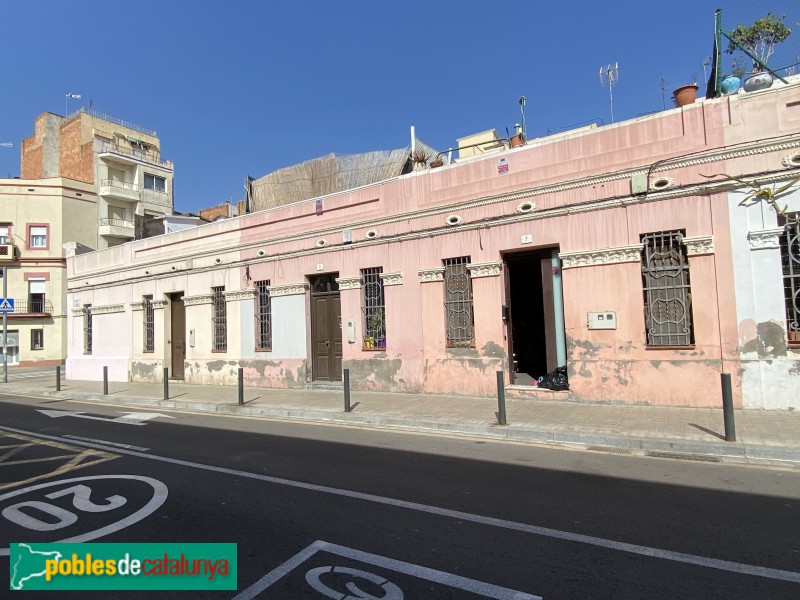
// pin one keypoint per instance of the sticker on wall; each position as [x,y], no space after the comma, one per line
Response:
[319,206]
[502,166]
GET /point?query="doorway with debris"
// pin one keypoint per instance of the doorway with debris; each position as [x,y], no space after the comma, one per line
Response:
[534,314]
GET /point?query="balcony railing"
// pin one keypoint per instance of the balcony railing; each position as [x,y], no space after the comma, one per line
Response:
[148,156]
[39,306]
[116,223]
[119,185]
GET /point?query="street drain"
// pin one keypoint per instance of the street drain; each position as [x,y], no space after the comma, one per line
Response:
[682,456]
[610,449]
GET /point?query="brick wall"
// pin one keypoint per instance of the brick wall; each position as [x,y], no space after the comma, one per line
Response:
[76,160]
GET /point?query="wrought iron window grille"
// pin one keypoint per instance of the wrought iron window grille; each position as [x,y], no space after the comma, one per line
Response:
[790,267]
[263,316]
[219,319]
[149,323]
[373,308]
[458,303]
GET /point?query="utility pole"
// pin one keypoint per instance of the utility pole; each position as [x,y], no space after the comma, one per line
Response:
[5,330]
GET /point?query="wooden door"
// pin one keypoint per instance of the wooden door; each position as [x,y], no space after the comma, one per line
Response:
[178,336]
[326,337]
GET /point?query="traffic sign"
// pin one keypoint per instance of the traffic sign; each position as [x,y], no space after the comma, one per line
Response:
[6,305]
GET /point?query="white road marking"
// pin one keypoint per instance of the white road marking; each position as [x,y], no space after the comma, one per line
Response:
[692,559]
[107,443]
[455,581]
[130,418]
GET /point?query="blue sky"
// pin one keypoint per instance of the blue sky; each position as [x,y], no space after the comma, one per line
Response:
[241,87]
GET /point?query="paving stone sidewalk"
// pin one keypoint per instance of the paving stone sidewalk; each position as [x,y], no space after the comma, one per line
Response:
[694,433]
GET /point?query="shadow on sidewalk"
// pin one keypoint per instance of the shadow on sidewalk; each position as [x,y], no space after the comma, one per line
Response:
[705,429]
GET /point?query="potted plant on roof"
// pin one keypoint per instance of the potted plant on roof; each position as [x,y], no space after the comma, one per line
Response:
[686,94]
[759,41]
[419,159]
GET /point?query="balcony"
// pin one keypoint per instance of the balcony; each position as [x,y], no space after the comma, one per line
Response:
[119,190]
[7,251]
[132,156]
[35,308]
[117,228]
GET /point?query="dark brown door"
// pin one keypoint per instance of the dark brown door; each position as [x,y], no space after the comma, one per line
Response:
[326,337]
[512,365]
[178,335]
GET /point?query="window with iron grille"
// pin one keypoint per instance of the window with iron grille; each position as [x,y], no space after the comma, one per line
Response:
[219,319]
[373,308]
[458,303]
[263,316]
[149,323]
[87,329]
[667,290]
[790,263]
[37,339]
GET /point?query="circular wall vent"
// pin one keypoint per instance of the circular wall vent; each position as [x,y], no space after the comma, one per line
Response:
[321,243]
[371,234]
[792,160]
[261,253]
[217,260]
[662,183]
[525,207]
[453,220]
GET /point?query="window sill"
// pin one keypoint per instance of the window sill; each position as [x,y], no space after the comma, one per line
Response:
[219,351]
[374,349]
[691,347]
[269,349]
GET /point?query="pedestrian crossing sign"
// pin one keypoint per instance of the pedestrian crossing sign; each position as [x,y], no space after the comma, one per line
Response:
[6,305]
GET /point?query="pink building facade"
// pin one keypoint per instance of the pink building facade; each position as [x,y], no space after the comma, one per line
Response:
[606,250]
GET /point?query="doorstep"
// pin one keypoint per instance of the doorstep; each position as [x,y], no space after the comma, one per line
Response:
[535,393]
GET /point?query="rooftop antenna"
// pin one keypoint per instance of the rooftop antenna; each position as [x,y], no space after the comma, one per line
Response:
[663,83]
[522,110]
[610,74]
[706,64]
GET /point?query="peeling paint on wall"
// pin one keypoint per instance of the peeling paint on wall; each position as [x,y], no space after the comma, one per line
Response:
[146,372]
[377,374]
[769,341]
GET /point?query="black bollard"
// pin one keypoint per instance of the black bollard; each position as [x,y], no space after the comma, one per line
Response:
[105,381]
[58,378]
[166,383]
[346,386]
[727,408]
[501,399]
[241,386]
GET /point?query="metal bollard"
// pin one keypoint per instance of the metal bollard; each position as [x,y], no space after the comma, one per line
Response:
[727,407]
[501,399]
[166,383]
[58,378]
[105,381]
[346,385]
[241,386]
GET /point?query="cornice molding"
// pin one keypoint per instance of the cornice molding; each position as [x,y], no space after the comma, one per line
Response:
[765,239]
[136,306]
[198,300]
[603,256]
[392,278]
[292,289]
[233,295]
[699,245]
[428,275]
[78,312]
[349,283]
[107,309]
[485,269]
[159,304]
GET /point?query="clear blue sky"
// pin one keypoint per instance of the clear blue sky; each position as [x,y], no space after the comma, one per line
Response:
[236,87]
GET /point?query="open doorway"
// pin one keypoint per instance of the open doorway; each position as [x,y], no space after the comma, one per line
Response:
[534,314]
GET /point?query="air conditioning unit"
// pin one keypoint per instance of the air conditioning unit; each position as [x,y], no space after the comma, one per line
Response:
[7,252]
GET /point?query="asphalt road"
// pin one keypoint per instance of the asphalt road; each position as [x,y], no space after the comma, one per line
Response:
[399,515]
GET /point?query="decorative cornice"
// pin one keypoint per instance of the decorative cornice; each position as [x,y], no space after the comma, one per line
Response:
[136,306]
[233,295]
[392,278]
[198,300]
[426,275]
[292,289]
[159,304]
[699,244]
[604,256]
[349,283]
[108,308]
[765,238]
[78,312]
[484,269]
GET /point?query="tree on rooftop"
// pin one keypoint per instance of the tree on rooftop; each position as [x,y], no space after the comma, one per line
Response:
[759,38]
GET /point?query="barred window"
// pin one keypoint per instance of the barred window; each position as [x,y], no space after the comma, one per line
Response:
[37,339]
[149,323]
[667,290]
[458,303]
[263,316]
[790,263]
[219,319]
[373,308]
[87,329]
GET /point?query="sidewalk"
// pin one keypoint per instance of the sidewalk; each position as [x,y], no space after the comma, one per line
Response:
[771,437]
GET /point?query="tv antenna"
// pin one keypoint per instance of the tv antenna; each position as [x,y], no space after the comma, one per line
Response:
[610,74]
[663,83]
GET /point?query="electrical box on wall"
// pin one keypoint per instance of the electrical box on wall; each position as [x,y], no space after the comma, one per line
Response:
[351,331]
[191,338]
[602,320]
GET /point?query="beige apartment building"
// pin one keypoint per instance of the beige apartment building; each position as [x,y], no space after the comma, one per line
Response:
[88,181]
[37,217]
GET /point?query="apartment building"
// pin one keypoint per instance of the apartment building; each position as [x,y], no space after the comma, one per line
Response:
[121,160]
[37,217]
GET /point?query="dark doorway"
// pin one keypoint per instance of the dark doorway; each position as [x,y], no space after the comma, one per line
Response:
[326,328]
[177,335]
[532,330]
